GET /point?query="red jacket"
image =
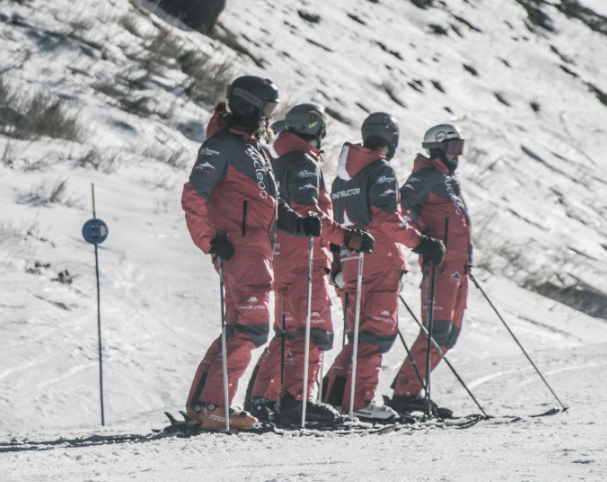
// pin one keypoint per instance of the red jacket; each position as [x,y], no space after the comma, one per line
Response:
[365,195]
[432,197]
[302,185]
[232,189]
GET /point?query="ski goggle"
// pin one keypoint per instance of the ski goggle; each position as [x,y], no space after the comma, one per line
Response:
[268,108]
[455,147]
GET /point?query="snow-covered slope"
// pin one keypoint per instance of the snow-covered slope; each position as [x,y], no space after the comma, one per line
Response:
[535,182]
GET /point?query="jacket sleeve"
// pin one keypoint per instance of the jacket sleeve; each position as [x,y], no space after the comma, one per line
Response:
[417,190]
[211,166]
[288,220]
[307,189]
[385,208]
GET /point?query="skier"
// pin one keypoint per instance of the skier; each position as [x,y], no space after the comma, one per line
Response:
[365,195]
[302,186]
[232,211]
[433,199]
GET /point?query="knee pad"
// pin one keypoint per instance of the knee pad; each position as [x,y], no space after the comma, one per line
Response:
[258,334]
[453,335]
[440,331]
[383,342]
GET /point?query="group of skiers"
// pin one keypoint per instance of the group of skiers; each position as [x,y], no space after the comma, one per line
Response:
[255,207]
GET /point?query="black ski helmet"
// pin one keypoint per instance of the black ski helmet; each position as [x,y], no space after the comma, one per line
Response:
[384,126]
[307,120]
[251,96]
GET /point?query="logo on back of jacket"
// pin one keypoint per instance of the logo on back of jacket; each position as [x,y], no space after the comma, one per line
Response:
[260,170]
[349,192]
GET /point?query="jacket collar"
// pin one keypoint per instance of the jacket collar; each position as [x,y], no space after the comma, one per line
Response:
[422,162]
[354,158]
[289,142]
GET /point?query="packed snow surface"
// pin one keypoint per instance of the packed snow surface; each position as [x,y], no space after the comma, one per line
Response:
[535,183]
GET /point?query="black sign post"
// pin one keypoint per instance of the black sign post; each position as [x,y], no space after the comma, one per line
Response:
[95,232]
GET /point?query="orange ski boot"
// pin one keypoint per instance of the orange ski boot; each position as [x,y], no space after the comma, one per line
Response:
[214,416]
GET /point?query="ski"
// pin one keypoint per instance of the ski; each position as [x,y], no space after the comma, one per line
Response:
[189,427]
[552,411]
[25,445]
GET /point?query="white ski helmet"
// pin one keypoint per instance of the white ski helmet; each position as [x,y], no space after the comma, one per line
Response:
[446,138]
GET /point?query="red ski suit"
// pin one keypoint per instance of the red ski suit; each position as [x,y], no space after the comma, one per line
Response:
[433,199]
[232,190]
[365,195]
[302,186]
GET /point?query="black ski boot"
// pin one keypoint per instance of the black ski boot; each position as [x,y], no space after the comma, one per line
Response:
[263,409]
[318,414]
[417,403]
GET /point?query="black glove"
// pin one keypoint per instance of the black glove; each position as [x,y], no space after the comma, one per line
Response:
[359,240]
[311,225]
[221,247]
[335,248]
[433,250]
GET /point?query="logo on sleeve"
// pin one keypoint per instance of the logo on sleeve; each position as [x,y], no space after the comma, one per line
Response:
[384,180]
[308,186]
[207,152]
[205,166]
[305,173]
[388,192]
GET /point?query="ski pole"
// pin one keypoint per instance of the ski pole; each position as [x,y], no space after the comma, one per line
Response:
[430,317]
[224,352]
[443,356]
[359,285]
[304,400]
[517,341]
[282,343]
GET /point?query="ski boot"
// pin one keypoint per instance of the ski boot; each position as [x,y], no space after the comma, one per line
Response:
[417,403]
[319,414]
[376,413]
[263,409]
[213,416]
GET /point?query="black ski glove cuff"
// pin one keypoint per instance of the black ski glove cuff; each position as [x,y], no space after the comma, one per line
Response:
[311,225]
[221,247]
[359,240]
[433,250]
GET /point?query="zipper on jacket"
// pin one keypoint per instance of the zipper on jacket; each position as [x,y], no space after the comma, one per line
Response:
[244,218]
[446,231]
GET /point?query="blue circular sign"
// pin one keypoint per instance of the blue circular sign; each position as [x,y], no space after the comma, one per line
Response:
[95,231]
